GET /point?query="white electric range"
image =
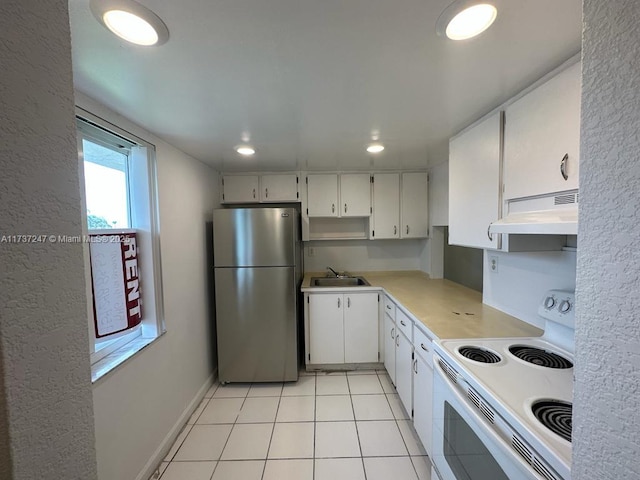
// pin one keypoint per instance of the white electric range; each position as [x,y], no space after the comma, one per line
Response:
[502,407]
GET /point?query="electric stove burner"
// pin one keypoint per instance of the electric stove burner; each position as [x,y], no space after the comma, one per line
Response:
[555,415]
[478,354]
[540,357]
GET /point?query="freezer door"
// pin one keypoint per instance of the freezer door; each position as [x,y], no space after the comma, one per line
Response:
[256,324]
[254,237]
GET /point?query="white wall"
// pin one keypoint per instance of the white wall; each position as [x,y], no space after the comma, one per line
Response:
[46,419]
[367,255]
[140,403]
[523,278]
[439,194]
[606,416]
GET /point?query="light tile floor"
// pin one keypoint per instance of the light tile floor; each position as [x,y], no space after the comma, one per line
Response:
[326,426]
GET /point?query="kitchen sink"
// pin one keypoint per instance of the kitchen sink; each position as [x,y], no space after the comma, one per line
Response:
[339,282]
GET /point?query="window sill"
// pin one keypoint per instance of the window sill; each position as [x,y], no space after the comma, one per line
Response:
[112,361]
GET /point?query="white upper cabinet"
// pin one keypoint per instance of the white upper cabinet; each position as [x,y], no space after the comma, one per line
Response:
[322,195]
[240,189]
[355,195]
[542,138]
[415,208]
[474,184]
[279,188]
[386,206]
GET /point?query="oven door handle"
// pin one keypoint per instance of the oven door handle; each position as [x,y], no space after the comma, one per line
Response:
[482,423]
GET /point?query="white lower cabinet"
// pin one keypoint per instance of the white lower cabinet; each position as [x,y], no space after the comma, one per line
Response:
[423,392]
[390,347]
[404,362]
[343,328]
[361,328]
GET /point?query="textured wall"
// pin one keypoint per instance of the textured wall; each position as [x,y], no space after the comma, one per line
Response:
[606,415]
[43,328]
[137,405]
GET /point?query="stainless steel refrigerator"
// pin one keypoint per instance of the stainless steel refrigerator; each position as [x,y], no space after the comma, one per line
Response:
[258,271]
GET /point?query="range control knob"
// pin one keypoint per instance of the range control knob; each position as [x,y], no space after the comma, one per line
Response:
[549,303]
[564,306]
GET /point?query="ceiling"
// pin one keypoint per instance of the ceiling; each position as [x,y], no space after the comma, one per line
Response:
[309,82]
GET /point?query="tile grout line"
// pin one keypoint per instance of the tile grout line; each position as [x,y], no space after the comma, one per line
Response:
[401,436]
[273,428]
[355,422]
[230,432]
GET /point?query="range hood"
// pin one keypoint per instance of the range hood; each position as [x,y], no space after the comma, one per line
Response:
[555,214]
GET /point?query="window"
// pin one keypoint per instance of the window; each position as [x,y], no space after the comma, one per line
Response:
[119,202]
[106,185]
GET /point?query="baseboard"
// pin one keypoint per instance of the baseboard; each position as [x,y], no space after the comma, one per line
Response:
[152,464]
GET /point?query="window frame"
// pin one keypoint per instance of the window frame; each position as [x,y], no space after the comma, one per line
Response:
[145,179]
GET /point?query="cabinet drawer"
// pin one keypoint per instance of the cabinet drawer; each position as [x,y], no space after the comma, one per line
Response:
[390,308]
[422,345]
[404,324]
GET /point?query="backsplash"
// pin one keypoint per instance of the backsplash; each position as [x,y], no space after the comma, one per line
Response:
[522,279]
[367,255]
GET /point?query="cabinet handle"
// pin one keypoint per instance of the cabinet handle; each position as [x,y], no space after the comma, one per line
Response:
[254,193]
[388,307]
[266,193]
[563,166]
[392,332]
[402,323]
[489,234]
[333,208]
[415,366]
[407,229]
[423,347]
[395,230]
[338,302]
[348,302]
[397,340]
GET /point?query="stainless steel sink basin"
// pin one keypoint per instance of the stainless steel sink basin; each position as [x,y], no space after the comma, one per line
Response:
[339,282]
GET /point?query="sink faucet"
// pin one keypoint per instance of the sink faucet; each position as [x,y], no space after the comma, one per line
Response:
[333,271]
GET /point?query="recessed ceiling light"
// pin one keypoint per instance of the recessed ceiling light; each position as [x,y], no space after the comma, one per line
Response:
[375,148]
[131,21]
[465,19]
[245,150]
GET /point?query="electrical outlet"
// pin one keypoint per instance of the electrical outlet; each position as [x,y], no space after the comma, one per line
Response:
[493,264]
[312,252]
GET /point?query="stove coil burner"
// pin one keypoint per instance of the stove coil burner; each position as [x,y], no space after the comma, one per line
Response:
[555,415]
[478,354]
[538,356]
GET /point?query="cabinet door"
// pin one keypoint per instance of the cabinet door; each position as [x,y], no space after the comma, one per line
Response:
[361,328]
[540,129]
[326,331]
[415,208]
[474,184]
[404,373]
[390,347]
[279,188]
[240,189]
[322,195]
[355,195]
[386,206]
[423,401]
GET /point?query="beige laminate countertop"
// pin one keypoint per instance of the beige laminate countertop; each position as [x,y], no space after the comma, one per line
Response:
[447,309]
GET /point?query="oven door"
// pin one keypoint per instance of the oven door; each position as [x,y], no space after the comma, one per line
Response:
[465,446]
